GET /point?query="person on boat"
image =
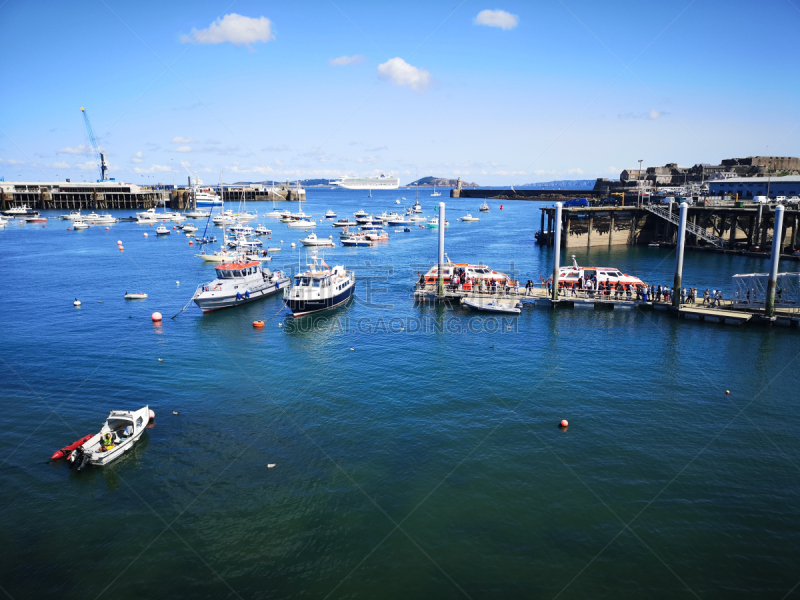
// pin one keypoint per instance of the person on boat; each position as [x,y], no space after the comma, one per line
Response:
[107,441]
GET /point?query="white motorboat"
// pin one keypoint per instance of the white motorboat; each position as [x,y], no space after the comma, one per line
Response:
[238,283]
[172,216]
[371,226]
[345,223]
[74,215]
[241,229]
[300,215]
[275,214]
[361,213]
[220,256]
[135,296]
[469,217]
[261,230]
[399,220]
[119,433]
[77,225]
[3,222]
[20,211]
[434,222]
[319,289]
[484,207]
[417,219]
[224,218]
[148,215]
[161,230]
[197,214]
[330,214]
[243,244]
[417,208]
[313,240]
[493,305]
[302,224]
[96,219]
[189,228]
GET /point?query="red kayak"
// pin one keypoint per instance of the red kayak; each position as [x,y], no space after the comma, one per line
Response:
[67,449]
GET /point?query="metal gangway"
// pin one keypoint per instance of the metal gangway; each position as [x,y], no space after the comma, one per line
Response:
[690,227]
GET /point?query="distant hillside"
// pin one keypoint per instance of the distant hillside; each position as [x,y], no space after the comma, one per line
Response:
[439,182]
[563,184]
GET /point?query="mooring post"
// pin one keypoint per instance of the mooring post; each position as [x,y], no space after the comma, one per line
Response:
[757,237]
[774,259]
[677,283]
[440,269]
[556,250]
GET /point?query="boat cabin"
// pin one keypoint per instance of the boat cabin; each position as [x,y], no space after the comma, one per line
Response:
[235,270]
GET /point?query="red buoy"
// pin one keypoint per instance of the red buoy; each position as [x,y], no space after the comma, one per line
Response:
[501,207]
[564,423]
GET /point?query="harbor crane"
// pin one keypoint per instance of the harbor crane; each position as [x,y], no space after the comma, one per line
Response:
[101,157]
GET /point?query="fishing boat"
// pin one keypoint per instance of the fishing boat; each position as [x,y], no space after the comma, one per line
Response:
[74,215]
[345,223]
[568,277]
[319,288]
[119,433]
[434,222]
[357,240]
[241,229]
[238,283]
[20,211]
[377,236]
[360,213]
[330,214]
[313,240]
[161,230]
[469,217]
[302,223]
[135,296]
[484,207]
[261,230]
[492,305]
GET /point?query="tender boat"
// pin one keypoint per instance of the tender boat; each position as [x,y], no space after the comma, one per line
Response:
[345,223]
[568,277]
[484,207]
[492,305]
[313,240]
[161,230]
[122,428]
[319,289]
[135,296]
[238,283]
[472,278]
[302,224]
[469,217]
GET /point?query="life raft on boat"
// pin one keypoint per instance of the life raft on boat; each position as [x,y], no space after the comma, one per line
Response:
[67,449]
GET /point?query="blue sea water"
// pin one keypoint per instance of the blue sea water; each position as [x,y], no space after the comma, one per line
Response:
[416,447]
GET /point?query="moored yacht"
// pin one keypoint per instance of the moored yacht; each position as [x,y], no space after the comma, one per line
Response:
[330,214]
[74,215]
[469,217]
[313,240]
[197,214]
[319,289]
[238,283]
[105,219]
[302,224]
[345,223]
[484,207]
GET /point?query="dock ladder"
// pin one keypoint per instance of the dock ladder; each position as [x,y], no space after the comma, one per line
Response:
[690,227]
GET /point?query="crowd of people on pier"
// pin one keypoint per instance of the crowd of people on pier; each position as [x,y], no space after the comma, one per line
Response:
[606,290]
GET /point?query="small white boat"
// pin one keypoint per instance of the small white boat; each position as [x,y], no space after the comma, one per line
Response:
[361,213]
[197,214]
[119,433]
[135,296]
[302,224]
[100,219]
[397,201]
[189,228]
[80,225]
[330,214]
[261,230]
[161,230]
[434,222]
[241,229]
[469,217]
[74,215]
[345,223]
[484,207]
[3,222]
[224,218]
[493,305]
[148,215]
[417,219]
[275,214]
[20,211]
[220,256]
[313,240]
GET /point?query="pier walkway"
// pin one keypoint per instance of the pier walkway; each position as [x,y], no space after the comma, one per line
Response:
[673,218]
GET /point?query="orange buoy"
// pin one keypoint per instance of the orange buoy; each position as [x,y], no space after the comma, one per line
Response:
[156,316]
[258,324]
[108,228]
[173,227]
[43,226]
[191,243]
[69,228]
[727,392]
[121,248]
[564,423]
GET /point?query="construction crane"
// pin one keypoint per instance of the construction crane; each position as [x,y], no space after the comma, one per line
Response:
[101,157]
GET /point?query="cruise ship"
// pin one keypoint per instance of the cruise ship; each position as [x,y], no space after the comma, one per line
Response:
[368,183]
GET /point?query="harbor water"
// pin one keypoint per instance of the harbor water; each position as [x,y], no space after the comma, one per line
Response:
[416,447]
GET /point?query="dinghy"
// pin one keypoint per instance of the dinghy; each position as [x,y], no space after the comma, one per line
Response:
[119,433]
[135,296]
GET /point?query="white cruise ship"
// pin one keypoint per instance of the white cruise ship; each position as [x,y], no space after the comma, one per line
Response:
[368,183]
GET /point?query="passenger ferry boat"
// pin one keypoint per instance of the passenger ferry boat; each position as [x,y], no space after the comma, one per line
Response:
[318,289]
[238,283]
[568,276]
[473,275]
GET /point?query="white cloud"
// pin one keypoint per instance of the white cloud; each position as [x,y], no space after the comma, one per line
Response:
[651,115]
[183,149]
[654,114]
[497,18]
[185,163]
[11,161]
[508,173]
[544,172]
[370,160]
[153,169]
[235,29]
[347,60]
[88,166]
[575,171]
[76,150]
[399,72]
[137,158]
[59,165]
[182,140]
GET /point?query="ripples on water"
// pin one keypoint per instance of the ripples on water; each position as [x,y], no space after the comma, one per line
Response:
[421,463]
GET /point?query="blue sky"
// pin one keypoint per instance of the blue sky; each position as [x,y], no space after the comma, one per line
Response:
[530,91]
